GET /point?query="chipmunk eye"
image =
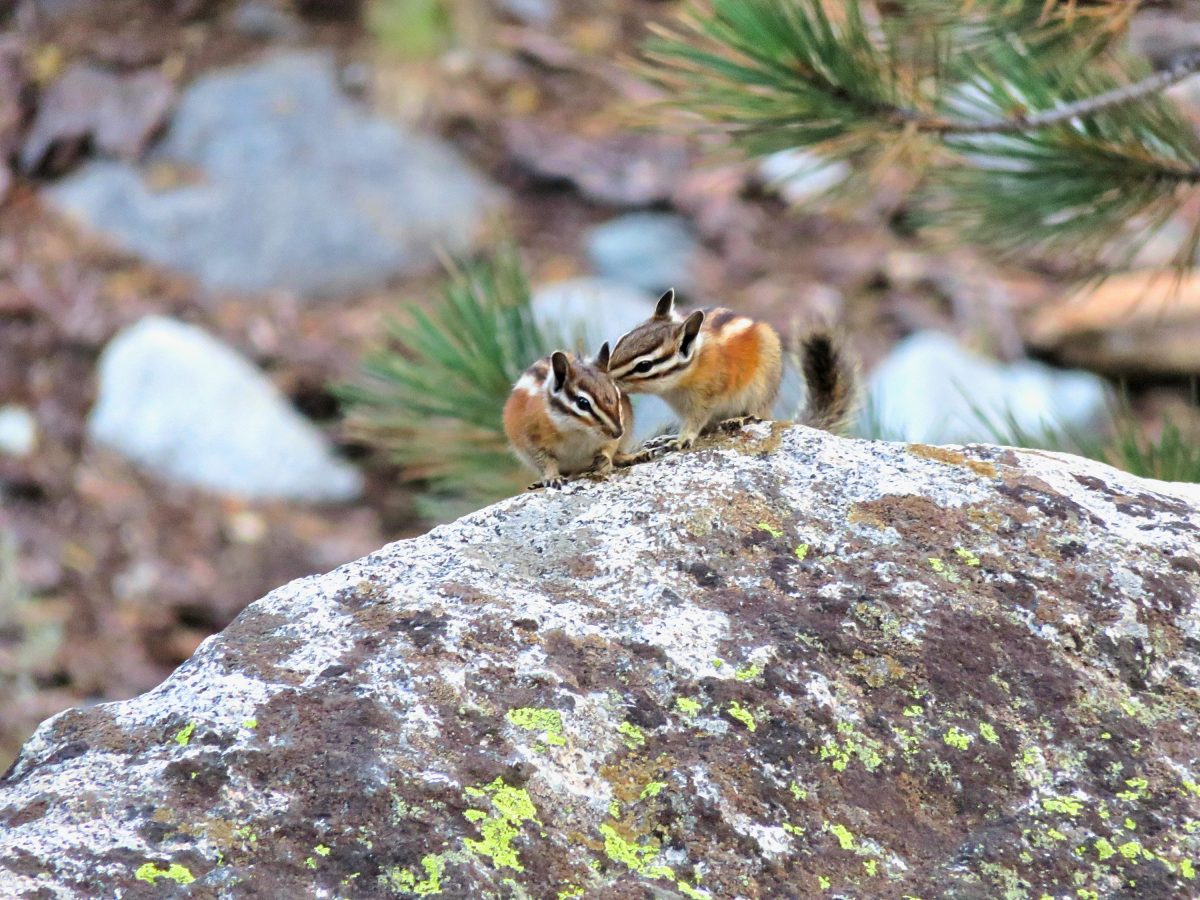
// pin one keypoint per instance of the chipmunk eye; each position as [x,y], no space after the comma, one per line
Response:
[644,366]
[583,403]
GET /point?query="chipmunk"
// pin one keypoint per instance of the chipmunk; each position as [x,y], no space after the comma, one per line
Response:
[566,417]
[718,369]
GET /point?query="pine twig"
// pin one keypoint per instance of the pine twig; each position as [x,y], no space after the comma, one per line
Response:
[1187,64]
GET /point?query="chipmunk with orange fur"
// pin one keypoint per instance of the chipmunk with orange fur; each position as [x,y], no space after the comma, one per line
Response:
[565,417]
[716,368]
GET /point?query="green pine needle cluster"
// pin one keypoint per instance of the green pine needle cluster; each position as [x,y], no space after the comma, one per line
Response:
[432,397]
[1027,127]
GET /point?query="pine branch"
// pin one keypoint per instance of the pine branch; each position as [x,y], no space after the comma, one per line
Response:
[1056,150]
[1187,64]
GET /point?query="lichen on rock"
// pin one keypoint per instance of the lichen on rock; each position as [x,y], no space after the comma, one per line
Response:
[634,689]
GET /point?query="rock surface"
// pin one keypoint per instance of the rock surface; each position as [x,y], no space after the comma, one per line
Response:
[931,388]
[270,178]
[179,402]
[782,665]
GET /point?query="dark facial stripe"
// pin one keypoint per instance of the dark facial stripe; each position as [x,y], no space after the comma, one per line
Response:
[596,414]
[658,360]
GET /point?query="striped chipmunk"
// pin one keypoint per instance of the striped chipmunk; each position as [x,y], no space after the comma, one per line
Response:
[566,417]
[716,368]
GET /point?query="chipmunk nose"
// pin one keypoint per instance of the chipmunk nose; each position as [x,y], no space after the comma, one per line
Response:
[617,432]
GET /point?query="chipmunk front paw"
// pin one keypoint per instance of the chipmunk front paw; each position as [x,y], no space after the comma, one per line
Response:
[738,423]
[548,483]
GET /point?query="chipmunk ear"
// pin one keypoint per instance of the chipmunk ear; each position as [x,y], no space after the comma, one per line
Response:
[562,367]
[691,328]
[666,305]
[602,358]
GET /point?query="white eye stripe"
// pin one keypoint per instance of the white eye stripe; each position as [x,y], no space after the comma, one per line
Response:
[596,412]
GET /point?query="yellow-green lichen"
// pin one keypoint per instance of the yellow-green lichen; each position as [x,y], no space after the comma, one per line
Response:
[653,789]
[1104,849]
[845,837]
[748,673]
[913,712]
[547,721]
[321,850]
[571,890]
[802,551]
[743,715]
[1130,849]
[798,792]
[250,723]
[687,706]
[150,873]
[988,733]
[957,738]
[769,529]
[1067,806]
[184,735]
[1187,869]
[1137,789]
[853,745]
[967,556]
[633,736]
[633,856]
[511,807]
[398,879]
[824,882]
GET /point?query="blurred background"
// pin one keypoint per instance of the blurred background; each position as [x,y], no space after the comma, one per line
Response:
[269,267]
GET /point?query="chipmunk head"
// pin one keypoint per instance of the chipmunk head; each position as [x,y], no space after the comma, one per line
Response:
[582,396]
[651,358]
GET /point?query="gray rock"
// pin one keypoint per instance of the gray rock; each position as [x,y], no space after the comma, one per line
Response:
[117,114]
[295,187]
[177,401]
[264,21]
[784,665]
[653,251]
[18,431]
[933,390]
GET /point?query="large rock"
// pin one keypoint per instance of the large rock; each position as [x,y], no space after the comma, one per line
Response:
[780,664]
[270,178]
[179,402]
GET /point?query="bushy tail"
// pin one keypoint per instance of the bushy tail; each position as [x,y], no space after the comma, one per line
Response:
[831,375]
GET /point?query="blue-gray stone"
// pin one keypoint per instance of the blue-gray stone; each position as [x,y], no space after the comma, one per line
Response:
[932,390]
[177,401]
[295,187]
[652,251]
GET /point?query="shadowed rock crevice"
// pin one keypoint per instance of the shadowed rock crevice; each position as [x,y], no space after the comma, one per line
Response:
[782,665]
